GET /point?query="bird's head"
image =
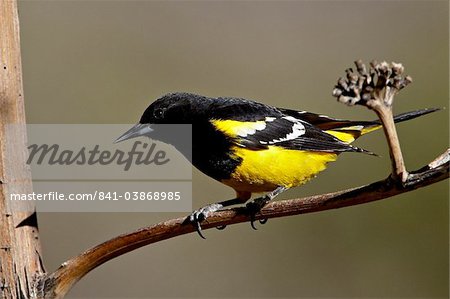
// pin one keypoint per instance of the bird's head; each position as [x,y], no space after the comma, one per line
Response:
[173,108]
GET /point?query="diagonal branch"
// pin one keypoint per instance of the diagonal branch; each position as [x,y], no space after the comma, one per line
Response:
[58,283]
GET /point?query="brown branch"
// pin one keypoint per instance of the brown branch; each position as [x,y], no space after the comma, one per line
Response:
[387,118]
[58,283]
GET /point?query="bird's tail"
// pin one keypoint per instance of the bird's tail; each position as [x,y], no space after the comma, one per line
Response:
[376,124]
[350,130]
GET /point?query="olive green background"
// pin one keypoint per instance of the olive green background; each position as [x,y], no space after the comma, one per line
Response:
[105,61]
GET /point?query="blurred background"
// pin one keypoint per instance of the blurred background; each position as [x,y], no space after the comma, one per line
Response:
[105,61]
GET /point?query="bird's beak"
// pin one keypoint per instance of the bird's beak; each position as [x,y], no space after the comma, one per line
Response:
[136,131]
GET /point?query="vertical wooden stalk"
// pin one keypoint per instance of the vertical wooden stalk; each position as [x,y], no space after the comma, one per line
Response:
[20,250]
[399,171]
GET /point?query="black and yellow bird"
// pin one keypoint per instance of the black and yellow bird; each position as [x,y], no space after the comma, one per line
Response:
[253,147]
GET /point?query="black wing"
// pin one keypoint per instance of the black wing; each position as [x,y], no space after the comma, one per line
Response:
[291,133]
[261,126]
[325,122]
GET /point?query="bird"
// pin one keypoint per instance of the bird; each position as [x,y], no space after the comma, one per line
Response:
[254,147]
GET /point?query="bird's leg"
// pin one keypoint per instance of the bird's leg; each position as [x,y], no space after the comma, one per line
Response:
[257,204]
[201,214]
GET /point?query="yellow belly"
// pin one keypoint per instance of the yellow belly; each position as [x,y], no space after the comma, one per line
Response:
[265,170]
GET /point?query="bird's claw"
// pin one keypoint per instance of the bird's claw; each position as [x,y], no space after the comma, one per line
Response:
[198,228]
[201,214]
[252,221]
[263,221]
[254,207]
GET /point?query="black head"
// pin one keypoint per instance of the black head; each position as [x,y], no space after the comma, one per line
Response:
[173,108]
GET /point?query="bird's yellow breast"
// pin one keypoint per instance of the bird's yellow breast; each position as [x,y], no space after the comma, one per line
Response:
[264,170]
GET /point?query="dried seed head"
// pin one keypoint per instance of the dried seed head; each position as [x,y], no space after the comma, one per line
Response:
[368,84]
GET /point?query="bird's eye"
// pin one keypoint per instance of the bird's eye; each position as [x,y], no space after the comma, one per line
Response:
[158,113]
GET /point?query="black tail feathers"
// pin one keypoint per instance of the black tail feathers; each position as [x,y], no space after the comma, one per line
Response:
[413,114]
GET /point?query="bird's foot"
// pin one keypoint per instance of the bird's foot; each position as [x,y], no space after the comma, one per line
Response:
[201,214]
[254,207]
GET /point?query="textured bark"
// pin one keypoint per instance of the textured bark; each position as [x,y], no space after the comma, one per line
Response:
[20,249]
